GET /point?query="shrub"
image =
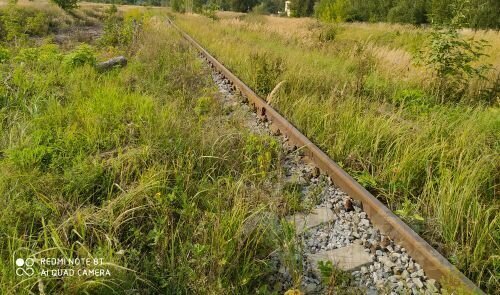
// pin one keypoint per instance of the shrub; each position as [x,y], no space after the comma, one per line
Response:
[4,54]
[454,61]
[16,24]
[66,4]
[209,10]
[82,55]
[28,55]
[37,25]
[120,30]
[12,24]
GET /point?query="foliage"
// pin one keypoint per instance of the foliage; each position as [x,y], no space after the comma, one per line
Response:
[17,24]
[259,155]
[336,280]
[329,11]
[407,11]
[328,33]
[82,55]
[301,8]
[266,72]
[479,13]
[118,166]
[66,4]
[454,60]
[362,101]
[408,213]
[4,54]
[120,30]
[209,10]
[203,105]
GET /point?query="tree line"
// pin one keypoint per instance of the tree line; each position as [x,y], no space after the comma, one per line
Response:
[478,14]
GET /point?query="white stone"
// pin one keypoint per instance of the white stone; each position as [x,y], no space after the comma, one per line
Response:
[316,217]
[348,258]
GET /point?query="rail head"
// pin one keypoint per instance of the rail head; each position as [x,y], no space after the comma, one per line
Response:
[434,264]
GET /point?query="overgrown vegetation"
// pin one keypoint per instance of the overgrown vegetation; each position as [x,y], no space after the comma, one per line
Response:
[133,166]
[429,152]
[66,4]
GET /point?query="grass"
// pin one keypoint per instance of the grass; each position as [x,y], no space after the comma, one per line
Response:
[135,166]
[361,99]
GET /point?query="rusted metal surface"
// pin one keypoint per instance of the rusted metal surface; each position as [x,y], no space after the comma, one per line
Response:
[434,264]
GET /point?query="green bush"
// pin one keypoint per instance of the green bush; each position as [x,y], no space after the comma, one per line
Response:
[13,25]
[37,25]
[120,30]
[66,4]
[210,10]
[4,54]
[454,61]
[82,55]
[16,24]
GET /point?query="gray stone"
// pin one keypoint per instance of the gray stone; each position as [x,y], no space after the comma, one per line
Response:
[364,222]
[418,283]
[310,288]
[316,217]
[347,258]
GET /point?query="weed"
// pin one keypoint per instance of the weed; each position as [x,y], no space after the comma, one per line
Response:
[364,103]
[260,154]
[203,105]
[336,280]
[4,54]
[120,30]
[266,72]
[96,168]
[408,213]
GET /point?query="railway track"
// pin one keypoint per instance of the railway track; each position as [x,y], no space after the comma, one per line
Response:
[347,224]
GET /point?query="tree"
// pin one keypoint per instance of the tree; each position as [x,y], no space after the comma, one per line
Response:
[332,10]
[243,5]
[453,59]
[302,7]
[408,11]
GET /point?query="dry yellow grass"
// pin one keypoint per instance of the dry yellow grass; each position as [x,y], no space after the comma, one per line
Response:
[392,45]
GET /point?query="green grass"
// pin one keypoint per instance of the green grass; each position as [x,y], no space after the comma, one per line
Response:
[135,166]
[385,127]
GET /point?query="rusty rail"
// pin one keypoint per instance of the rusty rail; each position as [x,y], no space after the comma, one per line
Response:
[434,264]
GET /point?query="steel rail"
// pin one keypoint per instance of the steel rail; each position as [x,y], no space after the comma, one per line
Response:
[434,264]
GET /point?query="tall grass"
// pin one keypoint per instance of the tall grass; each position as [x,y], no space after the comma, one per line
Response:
[122,166]
[383,125]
